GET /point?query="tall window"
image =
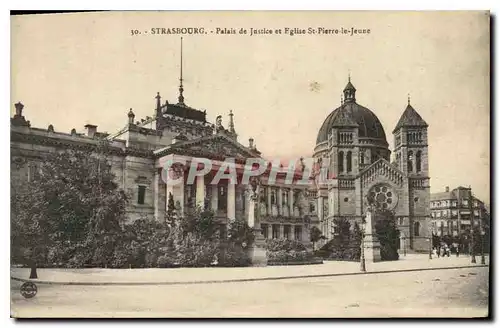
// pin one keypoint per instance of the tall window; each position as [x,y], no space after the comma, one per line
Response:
[286,232]
[298,233]
[419,161]
[349,161]
[141,195]
[341,161]
[416,229]
[275,231]
[410,161]
[285,197]
[273,196]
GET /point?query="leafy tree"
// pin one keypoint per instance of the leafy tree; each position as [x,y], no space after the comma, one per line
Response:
[73,205]
[388,236]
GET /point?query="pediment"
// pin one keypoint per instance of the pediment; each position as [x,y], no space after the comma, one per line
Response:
[381,169]
[215,147]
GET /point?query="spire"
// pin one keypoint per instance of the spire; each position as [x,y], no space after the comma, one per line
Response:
[231,122]
[341,100]
[349,91]
[181,88]
[409,99]
[410,118]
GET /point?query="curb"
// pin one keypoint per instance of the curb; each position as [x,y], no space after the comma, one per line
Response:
[199,282]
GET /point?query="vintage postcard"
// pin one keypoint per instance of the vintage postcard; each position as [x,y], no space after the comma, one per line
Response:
[250,164]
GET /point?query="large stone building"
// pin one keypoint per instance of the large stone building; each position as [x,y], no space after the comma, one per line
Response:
[353,143]
[451,214]
[181,134]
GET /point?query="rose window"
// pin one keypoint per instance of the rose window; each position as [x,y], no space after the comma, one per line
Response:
[382,196]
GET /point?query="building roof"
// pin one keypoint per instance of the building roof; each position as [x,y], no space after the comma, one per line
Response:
[410,118]
[349,114]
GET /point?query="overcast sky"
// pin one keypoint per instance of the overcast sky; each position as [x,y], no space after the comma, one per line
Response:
[74,69]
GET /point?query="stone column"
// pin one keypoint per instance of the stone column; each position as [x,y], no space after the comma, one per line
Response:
[270,231]
[371,244]
[215,197]
[159,196]
[320,208]
[269,204]
[281,231]
[290,201]
[231,201]
[200,191]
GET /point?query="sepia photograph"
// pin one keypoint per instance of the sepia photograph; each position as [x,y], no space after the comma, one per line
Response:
[250,164]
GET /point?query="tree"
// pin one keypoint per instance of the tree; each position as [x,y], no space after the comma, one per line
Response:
[387,234]
[72,210]
[315,235]
[170,216]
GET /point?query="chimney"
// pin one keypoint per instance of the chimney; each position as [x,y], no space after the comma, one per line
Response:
[91,130]
[447,189]
[250,143]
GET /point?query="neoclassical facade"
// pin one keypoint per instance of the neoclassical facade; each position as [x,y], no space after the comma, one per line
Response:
[352,143]
[175,133]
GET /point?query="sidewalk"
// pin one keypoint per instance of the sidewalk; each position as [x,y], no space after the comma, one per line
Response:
[213,275]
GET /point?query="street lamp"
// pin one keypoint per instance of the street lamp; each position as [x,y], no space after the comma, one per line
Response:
[362,255]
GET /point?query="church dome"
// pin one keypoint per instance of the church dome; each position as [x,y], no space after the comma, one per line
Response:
[351,114]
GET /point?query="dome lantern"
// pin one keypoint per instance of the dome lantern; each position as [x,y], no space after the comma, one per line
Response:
[349,91]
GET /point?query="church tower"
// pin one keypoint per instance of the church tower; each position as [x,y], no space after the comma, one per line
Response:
[411,157]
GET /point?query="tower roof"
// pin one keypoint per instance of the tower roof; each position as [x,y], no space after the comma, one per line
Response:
[410,118]
[349,86]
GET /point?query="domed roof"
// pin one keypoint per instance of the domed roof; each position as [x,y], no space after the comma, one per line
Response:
[351,114]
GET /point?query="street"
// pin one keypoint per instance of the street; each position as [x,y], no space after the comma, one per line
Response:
[432,293]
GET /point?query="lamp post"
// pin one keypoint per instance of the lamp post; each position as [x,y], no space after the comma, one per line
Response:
[362,255]
[471,210]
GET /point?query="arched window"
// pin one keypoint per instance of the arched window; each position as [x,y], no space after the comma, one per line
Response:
[410,161]
[362,157]
[349,161]
[341,161]
[419,161]
[416,229]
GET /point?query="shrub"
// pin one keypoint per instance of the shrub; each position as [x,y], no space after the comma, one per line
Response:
[233,255]
[287,251]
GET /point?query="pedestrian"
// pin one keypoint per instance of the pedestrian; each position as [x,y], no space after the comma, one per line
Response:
[458,250]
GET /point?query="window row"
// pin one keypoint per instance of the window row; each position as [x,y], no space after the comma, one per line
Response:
[287,231]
